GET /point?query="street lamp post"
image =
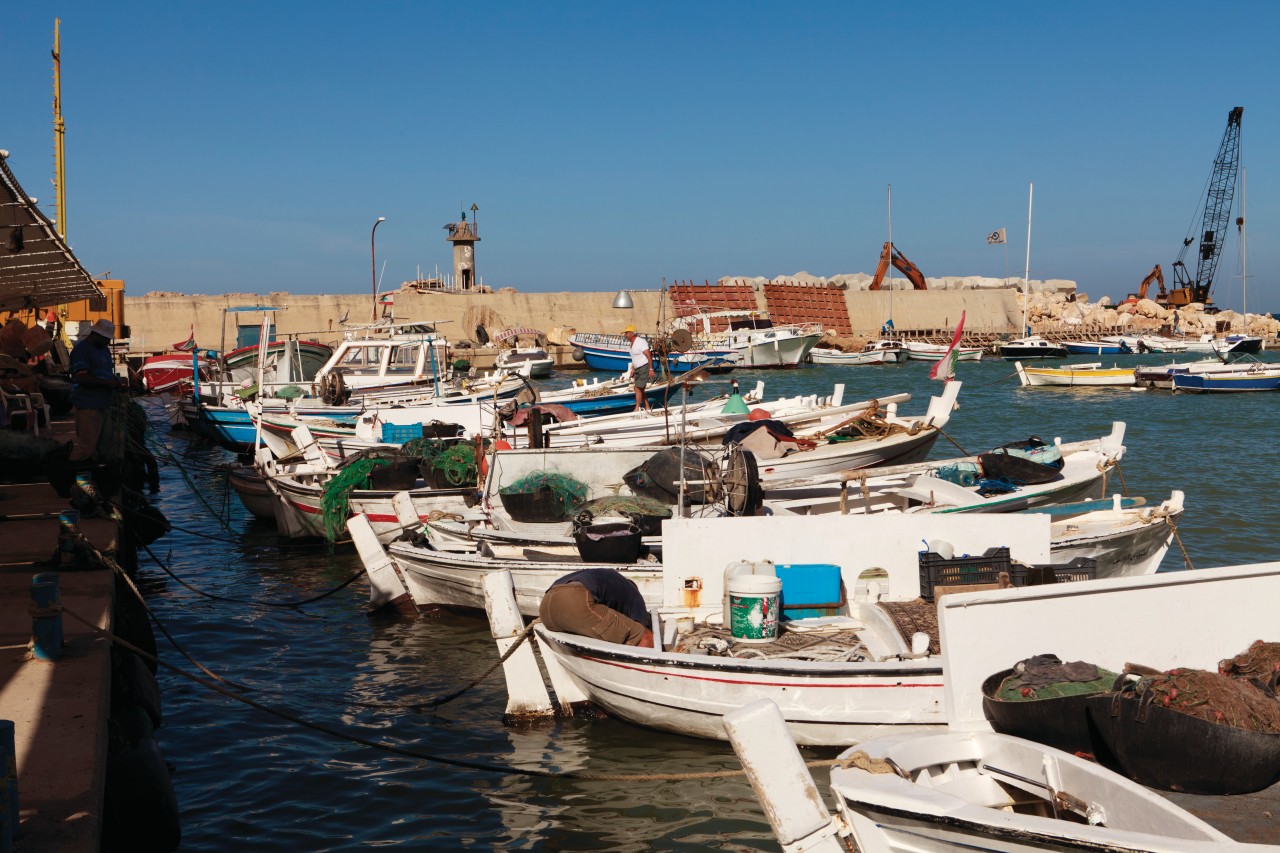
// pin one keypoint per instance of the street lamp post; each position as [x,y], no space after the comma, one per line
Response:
[373,267]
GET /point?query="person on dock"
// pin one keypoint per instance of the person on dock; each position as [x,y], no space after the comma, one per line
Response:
[93,387]
[640,367]
[602,604]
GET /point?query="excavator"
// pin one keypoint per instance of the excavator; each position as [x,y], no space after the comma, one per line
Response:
[891,255]
[1156,275]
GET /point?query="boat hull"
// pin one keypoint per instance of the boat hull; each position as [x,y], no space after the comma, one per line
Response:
[1084,375]
[824,704]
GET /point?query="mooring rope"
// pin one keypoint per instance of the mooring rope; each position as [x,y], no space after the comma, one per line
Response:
[404,752]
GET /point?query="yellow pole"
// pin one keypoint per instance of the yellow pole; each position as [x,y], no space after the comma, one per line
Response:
[59,133]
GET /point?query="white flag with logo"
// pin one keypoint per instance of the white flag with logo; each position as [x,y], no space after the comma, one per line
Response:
[996,237]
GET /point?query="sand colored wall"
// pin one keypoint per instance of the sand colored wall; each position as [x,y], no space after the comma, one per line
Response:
[160,320]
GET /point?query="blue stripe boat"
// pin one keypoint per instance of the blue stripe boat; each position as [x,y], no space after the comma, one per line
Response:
[612,353]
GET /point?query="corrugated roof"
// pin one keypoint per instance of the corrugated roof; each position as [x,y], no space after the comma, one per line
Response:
[37,269]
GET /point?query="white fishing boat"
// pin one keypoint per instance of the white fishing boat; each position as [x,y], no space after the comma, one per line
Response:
[1121,541]
[889,438]
[531,360]
[877,667]
[961,791]
[987,632]
[952,485]
[1092,375]
[922,351]
[756,340]
[826,355]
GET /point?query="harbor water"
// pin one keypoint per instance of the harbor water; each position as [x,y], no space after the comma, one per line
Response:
[344,762]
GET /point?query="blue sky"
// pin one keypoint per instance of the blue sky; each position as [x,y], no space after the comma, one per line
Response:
[250,146]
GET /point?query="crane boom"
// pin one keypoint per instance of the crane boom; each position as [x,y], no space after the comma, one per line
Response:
[1213,227]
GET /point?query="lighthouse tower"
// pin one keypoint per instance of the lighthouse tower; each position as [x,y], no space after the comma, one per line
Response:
[464,235]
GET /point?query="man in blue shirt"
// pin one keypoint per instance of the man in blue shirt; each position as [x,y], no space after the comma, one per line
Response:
[93,387]
[600,603]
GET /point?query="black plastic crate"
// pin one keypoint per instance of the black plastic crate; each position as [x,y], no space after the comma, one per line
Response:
[935,570]
[1079,569]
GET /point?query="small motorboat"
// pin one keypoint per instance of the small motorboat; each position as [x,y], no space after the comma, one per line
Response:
[1031,347]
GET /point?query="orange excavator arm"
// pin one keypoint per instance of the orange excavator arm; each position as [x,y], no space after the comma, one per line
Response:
[1156,275]
[890,255]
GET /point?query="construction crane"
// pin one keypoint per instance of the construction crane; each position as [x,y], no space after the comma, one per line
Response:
[891,255]
[1213,227]
[1156,275]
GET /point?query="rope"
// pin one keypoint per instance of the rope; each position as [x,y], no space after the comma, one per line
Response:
[250,602]
[1186,558]
[399,750]
[963,452]
[115,567]
[1124,487]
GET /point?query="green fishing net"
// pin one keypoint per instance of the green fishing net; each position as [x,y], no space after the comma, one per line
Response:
[567,492]
[335,503]
[628,505]
[1013,690]
[453,463]
[290,393]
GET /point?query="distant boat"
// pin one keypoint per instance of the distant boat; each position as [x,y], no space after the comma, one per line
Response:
[1103,347]
[825,355]
[1235,379]
[1032,346]
[921,351]
[613,353]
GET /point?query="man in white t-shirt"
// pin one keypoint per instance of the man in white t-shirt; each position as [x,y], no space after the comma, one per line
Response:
[640,369]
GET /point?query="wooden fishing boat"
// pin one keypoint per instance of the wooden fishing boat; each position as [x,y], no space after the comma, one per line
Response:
[1241,379]
[921,351]
[825,355]
[1074,376]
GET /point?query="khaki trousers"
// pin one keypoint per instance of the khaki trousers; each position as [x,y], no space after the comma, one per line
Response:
[568,608]
[89,424]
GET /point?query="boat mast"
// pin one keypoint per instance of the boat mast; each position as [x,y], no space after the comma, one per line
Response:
[893,332]
[1026,275]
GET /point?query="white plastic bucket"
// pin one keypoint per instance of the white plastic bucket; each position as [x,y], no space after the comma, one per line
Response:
[753,608]
[739,568]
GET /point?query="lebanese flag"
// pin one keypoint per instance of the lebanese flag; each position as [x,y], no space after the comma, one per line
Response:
[945,369]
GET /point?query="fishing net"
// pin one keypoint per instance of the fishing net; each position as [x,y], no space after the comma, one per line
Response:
[24,447]
[646,513]
[1261,661]
[566,492]
[453,463]
[1212,697]
[335,503]
[1014,689]
[290,393]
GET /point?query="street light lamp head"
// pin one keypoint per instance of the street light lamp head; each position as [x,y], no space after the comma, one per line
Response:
[623,300]
[382,219]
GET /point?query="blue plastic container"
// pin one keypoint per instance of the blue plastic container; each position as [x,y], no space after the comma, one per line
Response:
[400,433]
[809,589]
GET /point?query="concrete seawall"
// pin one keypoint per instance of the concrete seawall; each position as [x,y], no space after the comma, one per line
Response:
[158,321]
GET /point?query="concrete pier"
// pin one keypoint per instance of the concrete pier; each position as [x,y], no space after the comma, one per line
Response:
[59,707]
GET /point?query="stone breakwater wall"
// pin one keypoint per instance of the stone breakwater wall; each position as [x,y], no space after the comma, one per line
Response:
[158,320]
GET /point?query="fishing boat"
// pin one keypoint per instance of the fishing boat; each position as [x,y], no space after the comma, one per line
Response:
[986,632]
[956,485]
[961,790]
[530,360]
[826,355]
[922,351]
[1074,376]
[1119,540]
[877,669]
[1234,378]
[1032,346]
[1102,347]
[613,353]
[755,338]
